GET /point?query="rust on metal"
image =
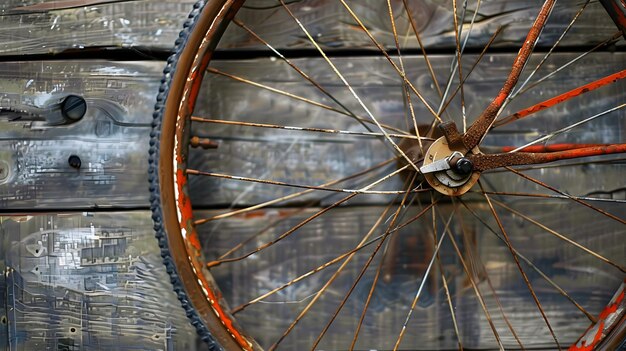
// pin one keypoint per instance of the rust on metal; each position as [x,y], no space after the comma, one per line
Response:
[204,143]
[477,130]
[484,162]
[561,98]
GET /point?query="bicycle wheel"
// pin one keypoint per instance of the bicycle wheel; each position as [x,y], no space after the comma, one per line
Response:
[385,197]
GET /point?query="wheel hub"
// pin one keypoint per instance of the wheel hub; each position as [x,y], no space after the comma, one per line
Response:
[447,170]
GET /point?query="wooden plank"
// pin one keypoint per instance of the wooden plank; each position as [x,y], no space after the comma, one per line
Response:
[111,139]
[88,281]
[37,26]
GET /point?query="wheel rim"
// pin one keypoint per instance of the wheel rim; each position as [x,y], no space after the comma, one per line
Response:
[183,238]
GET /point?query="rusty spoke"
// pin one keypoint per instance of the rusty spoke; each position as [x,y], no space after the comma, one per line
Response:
[302,186]
[479,128]
[538,182]
[610,79]
[444,280]
[480,57]
[421,46]
[614,38]
[292,196]
[519,266]
[473,258]
[459,52]
[300,72]
[365,267]
[531,265]
[405,87]
[477,292]
[393,64]
[560,236]
[350,88]
[551,196]
[547,55]
[421,287]
[304,222]
[304,129]
[300,98]
[365,242]
[459,63]
[369,297]
[320,292]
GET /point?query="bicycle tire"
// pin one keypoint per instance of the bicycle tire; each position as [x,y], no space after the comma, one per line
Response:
[219,332]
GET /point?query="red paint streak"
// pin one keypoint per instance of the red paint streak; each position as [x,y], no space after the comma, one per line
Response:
[613,307]
[621,19]
[608,310]
[563,97]
[228,323]
[256,214]
[551,148]
[186,210]
[192,238]
[583,152]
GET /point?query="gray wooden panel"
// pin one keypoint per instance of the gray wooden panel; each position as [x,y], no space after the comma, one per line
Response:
[37,26]
[34,27]
[87,281]
[111,139]
[333,27]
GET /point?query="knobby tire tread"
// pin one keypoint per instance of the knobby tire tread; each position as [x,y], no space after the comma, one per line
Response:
[153,167]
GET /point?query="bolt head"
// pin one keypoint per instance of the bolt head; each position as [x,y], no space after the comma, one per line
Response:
[464,166]
[73,107]
[74,161]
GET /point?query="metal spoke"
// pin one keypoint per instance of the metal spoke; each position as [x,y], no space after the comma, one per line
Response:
[456,61]
[369,297]
[292,185]
[493,290]
[614,38]
[304,75]
[365,242]
[405,87]
[477,292]
[393,64]
[545,57]
[549,196]
[525,176]
[560,236]
[610,79]
[531,265]
[300,98]
[304,129]
[345,82]
[365,267]
[291,196]
[306,309]
[421,45]
[444,280]
[480,57]
[459,64]
[519,266]
[304,222]
[569,127]
[420,288]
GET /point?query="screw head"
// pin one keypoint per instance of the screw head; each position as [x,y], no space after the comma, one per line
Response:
[464,166]
[73,107]
[74,161]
